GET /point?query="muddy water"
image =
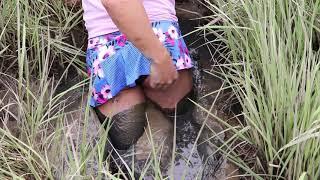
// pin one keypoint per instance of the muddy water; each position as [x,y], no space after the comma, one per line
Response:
[188,162]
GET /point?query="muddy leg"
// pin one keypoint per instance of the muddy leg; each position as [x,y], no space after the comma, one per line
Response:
[126,113]
[160,130]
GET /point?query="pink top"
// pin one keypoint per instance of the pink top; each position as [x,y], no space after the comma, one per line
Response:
[98,22]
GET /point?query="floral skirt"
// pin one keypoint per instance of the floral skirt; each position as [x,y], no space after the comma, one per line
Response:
[114,63]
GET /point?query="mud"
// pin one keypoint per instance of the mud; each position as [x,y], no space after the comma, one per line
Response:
[195,157]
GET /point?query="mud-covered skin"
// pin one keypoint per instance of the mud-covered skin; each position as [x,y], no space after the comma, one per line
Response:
[127,126]
[161,130]
[184,105]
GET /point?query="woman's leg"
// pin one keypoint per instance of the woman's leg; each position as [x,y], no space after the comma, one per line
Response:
[123,101]
[127,113]
[169,98]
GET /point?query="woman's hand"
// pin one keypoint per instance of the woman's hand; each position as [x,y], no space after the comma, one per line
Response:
[163,72]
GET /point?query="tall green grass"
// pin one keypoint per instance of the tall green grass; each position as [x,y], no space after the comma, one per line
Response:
[274,68]
[36,37]
[29,25]
[55,137]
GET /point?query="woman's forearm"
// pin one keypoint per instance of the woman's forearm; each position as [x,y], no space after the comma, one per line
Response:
[131,19]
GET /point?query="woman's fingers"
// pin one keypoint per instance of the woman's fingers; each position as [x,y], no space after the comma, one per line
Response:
[156,83]
[164,85]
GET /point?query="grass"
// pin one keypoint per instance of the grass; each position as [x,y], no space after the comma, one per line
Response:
[35,37]
[273,67]
[270,51]
[31,24]
[55,135]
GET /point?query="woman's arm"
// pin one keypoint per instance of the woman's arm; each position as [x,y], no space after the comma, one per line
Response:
[131,19]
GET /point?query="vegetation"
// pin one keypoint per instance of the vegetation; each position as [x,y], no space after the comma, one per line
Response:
[272,66]
[35,37]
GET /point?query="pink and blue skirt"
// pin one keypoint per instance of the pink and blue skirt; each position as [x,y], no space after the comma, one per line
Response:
[114,63]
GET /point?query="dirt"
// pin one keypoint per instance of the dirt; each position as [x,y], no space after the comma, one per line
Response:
[187,127]
[160,130]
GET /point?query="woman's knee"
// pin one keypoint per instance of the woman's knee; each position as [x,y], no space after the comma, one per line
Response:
[126,99]
[176,93]
[126,113]
[128,126]
[182,107]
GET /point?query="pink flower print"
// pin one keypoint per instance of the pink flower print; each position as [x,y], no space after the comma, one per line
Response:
[121,40]
[99,98]
[181,47]
[159,34]
[97,70]
[188,61]
[105,52]
[170,40]
[108,37]
[93,42]
[94,94]
[105,91]
[89,71]
[180,63]
[173,32]
[186,50]
[103,40]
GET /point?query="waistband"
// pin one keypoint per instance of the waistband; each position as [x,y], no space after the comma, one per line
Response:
[118,37]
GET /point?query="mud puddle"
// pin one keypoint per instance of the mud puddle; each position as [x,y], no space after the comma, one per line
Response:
[188,163]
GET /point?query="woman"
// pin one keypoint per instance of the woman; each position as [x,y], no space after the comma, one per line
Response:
[135,54]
